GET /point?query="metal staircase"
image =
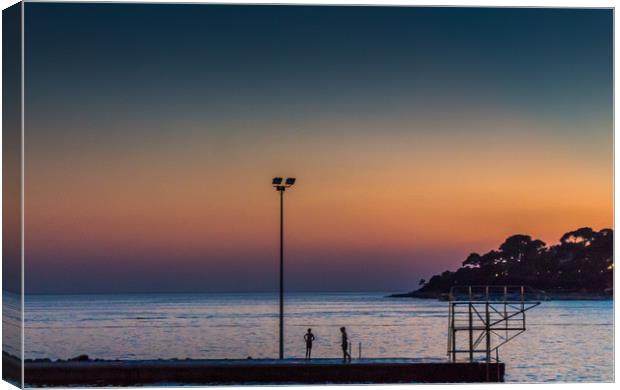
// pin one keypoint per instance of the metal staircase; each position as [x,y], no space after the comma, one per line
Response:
[483,318]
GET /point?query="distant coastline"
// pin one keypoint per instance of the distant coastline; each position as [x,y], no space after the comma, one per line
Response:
[580,267]
[550,296]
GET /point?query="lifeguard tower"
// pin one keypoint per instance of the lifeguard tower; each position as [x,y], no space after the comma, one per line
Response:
[483,318]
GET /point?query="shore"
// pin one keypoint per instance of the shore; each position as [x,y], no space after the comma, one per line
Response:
[548,296]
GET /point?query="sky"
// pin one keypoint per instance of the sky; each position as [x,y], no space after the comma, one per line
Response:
[417,136]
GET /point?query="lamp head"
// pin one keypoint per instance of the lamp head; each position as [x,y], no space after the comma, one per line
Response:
[280,185]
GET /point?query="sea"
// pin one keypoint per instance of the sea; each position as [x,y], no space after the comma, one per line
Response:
[565,341]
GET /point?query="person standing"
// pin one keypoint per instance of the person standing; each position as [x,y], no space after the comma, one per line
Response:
[309,338]
[345,345]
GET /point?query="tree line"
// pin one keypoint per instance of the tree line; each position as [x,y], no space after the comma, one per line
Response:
[581,262]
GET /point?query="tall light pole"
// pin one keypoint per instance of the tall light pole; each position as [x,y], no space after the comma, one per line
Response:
[277,184]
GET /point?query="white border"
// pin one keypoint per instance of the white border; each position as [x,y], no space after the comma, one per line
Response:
[456,3]
[449,3]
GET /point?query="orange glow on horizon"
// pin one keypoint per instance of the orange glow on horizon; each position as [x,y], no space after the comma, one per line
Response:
[377,193]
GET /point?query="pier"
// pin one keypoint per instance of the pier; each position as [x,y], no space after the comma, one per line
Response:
[254,371]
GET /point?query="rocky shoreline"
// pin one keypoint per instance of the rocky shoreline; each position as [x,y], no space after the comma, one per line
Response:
[548,296]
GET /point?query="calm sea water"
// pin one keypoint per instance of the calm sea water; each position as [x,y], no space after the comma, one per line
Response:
[565,340]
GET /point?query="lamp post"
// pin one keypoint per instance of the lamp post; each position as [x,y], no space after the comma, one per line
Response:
[277,184]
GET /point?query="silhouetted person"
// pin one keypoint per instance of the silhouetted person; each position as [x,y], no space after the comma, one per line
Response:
[309,338]
[345,345]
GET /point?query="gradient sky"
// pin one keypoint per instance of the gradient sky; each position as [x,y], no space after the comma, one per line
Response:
[417,135]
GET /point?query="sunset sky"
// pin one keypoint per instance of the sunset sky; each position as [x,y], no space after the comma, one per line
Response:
[417,135]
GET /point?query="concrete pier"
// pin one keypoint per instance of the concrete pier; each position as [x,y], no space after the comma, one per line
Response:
[257,371]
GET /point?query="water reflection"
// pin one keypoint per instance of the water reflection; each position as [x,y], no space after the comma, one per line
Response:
[565,341]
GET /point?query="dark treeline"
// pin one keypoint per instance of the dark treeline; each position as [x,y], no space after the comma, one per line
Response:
[581,262]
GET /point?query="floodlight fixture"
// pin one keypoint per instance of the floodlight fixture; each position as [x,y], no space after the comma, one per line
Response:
[281,187]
